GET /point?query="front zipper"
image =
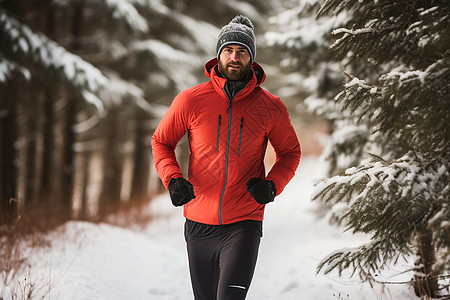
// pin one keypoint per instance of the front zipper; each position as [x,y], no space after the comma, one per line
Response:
[218,132]
[229,111]
[240,135]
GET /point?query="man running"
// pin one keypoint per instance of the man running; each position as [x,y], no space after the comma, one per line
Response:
[229,121]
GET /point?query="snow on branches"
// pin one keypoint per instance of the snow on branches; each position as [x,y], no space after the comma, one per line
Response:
[124,11]
[7,68]
[414,104]
[50,55]
[403,203]
[408,104]
[390,201]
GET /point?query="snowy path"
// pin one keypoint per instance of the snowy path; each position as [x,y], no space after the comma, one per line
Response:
[105,262]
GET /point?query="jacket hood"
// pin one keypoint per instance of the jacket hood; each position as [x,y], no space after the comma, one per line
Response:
[258,76]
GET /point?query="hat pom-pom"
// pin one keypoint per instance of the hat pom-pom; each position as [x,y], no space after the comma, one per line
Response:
[240,19]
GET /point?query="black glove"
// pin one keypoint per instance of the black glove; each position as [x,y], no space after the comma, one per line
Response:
[181,191]
[263,191]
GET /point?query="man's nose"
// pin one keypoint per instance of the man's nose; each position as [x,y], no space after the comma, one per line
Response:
[234,56]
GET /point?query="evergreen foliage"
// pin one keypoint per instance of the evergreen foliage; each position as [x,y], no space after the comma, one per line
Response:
[42,52]
[390,201]
[402,191]
[312,76]
[308,68]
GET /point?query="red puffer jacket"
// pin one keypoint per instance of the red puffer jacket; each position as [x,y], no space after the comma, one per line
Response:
[227,144]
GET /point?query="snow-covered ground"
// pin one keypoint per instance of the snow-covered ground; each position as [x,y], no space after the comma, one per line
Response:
[99,261]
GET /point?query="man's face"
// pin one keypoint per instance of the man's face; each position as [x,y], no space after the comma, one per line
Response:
[234,62]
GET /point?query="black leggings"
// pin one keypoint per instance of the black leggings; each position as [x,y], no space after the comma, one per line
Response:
[222,258]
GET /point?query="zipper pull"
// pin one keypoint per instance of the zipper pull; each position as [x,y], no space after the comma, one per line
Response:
[230,106]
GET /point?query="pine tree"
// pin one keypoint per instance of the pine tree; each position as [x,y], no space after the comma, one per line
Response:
[44,58]
[400,194]
[312,76]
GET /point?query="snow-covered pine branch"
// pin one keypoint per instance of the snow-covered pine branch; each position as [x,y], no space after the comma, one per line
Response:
[169,60]
[118,90]
[344,148]
[307,68]
[115,93]
[203,36]
[390,201]
[48,54]
[9,68]
[407,104]
[124,11]
[357,97]
[411,177]
[334,7]
[157,6]
[414,102]
[298,30]
[330,110]
[78,72]
[366,260]
[394,36]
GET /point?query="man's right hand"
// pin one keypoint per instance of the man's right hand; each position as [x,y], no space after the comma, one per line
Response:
[181,191]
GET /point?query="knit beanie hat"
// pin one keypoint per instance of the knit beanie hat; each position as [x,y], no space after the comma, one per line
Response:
[238,32]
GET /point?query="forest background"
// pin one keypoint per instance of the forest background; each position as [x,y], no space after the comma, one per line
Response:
[83,84]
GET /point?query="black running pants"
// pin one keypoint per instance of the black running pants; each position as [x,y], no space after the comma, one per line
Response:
[222,258]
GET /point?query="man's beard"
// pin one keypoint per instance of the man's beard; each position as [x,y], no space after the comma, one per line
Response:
[240,74]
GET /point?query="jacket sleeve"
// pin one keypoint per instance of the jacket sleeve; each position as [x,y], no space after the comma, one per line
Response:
[170,130]
[284,140]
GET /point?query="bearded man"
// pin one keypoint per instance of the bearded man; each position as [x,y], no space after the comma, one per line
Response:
[229,121]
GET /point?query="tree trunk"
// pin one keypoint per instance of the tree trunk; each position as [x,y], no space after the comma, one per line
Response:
[8,171]
[425,282]
[48,148]
[70,120]
[112,163]
[48,123]
[84,209]
[68,156]
[141,159]
[31,115]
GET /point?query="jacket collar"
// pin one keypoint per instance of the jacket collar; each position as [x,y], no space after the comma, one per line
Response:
[256,79]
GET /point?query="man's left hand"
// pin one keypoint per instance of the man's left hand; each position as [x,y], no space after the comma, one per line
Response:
[263,191]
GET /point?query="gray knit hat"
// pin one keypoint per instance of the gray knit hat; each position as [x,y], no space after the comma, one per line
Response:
[238,32]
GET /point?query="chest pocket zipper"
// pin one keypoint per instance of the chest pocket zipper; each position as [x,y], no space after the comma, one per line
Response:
[218,132]
[240,135]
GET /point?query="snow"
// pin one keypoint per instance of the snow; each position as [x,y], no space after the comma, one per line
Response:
[352,31]
[176,64]
[100,261]
[302,32]
[124,10]
[203,33]
[48,53]
[358,83]
[7,68]
[156,5]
